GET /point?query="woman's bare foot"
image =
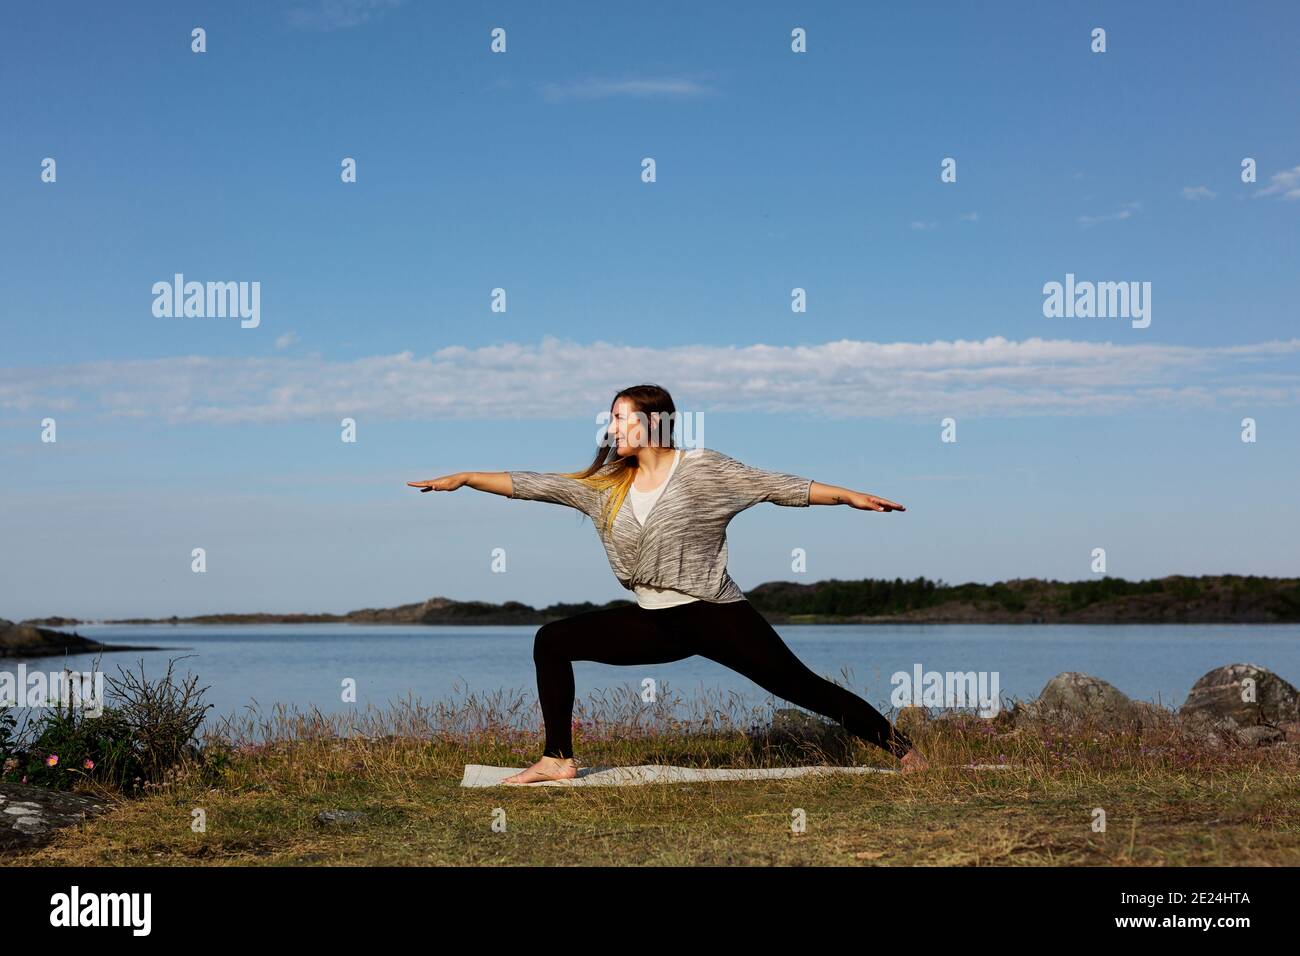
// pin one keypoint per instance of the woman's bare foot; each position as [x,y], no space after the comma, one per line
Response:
[913,761]
[548,768]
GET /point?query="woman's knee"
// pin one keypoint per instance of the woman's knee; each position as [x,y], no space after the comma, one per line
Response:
[544,641]
[554,640]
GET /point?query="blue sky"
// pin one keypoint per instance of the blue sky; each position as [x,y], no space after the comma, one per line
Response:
[522,170]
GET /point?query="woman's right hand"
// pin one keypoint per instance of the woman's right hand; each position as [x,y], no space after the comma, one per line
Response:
[445,483]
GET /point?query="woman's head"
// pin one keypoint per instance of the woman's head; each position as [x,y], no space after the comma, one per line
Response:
[640,417]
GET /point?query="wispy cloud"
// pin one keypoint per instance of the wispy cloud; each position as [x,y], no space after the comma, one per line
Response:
[1125,211]
[335,14]
[559,378]
[1284,185]
[969,217]
[924,226]
[679,87]
[284,341]
[1198,192]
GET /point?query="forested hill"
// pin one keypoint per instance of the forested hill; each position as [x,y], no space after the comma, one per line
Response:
[1225,598]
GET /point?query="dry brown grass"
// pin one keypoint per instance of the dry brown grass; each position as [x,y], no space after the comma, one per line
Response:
[1171,796]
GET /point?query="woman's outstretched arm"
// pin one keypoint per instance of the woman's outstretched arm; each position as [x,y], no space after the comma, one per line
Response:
[557,488]
[821,494]
[497,482]
[749,485]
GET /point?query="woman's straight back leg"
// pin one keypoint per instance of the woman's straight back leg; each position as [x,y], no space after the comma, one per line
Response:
[737,636]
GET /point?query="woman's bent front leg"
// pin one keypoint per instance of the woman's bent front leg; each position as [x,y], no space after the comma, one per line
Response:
[622,636]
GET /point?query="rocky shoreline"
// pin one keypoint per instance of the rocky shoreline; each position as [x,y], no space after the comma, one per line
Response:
[28,640]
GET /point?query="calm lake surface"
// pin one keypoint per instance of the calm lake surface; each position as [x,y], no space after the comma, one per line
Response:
[250,669]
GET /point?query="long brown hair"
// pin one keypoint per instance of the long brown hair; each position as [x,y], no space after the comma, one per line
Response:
[610,471]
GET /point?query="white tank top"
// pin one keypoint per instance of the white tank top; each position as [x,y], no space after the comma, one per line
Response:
[642,501]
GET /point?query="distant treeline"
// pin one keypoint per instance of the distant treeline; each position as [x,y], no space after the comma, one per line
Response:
[1219,598]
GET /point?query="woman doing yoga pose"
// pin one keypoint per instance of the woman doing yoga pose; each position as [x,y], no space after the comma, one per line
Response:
[670,548]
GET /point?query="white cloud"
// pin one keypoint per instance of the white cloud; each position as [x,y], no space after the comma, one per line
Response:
[1285,185]
[1124,213]
[600,88]
[1198,192]
[284,341]
[559,378]
[336,14]
[924,226]
[969,217]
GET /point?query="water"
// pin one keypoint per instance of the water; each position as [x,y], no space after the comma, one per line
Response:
[255,667]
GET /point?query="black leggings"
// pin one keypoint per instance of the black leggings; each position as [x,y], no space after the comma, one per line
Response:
[733,634]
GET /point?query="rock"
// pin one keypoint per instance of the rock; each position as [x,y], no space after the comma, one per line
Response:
[1215,732]
[29,816]
[1150,715]
[1218,732]
[1260,736]
[327,817]
[1081,695]
[791,720]
[801,735]
[1219,694]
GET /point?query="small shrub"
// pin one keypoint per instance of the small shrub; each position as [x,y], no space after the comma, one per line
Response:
[142,737]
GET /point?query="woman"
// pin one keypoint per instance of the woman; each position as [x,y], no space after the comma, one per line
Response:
[670,548]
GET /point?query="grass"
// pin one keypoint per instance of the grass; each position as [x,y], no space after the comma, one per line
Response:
[1171,797]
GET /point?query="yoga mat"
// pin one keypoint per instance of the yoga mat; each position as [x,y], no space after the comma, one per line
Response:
[481,775]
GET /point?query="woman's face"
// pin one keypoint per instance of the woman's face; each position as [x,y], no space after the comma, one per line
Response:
[628,431]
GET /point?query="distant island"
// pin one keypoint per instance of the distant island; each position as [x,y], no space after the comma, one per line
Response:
[1213,599]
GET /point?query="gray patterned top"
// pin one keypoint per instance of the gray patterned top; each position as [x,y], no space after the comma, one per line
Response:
[683,543]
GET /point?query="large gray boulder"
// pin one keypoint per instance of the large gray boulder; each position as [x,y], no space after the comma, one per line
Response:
[1081,696]
[1243,695]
